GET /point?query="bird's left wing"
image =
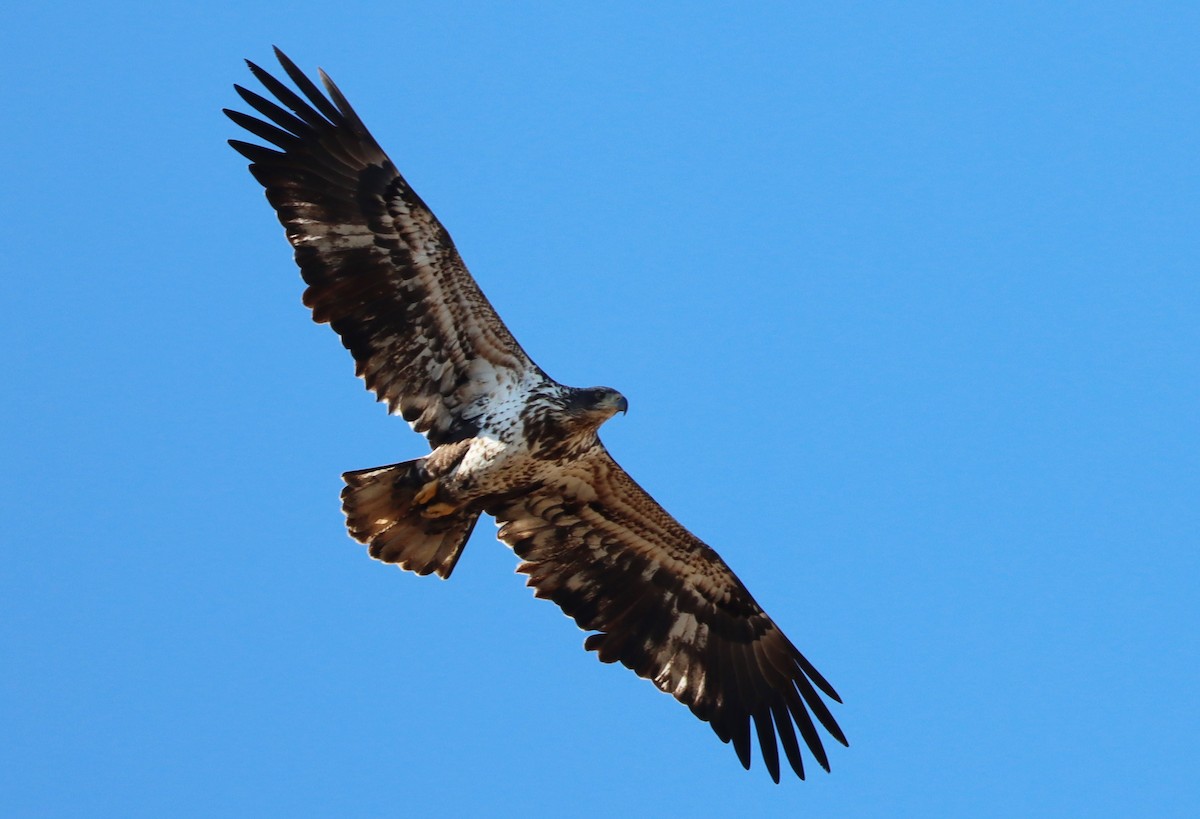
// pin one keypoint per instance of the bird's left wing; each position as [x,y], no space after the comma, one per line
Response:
[667,607]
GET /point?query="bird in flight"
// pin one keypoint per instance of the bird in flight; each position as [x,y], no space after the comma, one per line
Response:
[508,440]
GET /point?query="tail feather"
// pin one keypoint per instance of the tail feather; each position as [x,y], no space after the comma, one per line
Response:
[382,512]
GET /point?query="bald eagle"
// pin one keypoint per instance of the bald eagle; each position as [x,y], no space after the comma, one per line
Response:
[508,440]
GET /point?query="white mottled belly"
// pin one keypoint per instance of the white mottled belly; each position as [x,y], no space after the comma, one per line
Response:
[498,459]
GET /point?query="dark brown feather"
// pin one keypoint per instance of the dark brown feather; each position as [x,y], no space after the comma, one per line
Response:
[381,512]
[666,606]
[372,254]
[383,272]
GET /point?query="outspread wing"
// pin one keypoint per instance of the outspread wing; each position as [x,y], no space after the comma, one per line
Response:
[380,268]
[667,607]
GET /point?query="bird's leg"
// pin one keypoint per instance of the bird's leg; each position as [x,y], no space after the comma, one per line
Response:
[438,510]
[433,495]
[427,492]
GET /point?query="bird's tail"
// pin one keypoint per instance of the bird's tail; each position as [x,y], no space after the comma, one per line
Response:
[386,509]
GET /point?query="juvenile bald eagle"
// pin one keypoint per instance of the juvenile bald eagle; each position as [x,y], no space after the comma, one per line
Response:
[508,440]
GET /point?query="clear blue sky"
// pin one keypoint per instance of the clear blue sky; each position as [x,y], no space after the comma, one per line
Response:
[903,297]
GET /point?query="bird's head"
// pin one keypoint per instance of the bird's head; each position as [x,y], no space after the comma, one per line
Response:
[599,403]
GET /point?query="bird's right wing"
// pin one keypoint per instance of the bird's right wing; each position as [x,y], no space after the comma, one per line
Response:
[380,268]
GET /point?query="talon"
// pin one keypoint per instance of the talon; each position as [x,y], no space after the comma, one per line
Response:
[426,493]
[438,510]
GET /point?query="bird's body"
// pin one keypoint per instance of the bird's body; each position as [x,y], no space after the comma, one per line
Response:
[509,441]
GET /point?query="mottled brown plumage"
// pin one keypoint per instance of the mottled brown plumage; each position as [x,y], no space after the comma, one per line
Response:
[509,441]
